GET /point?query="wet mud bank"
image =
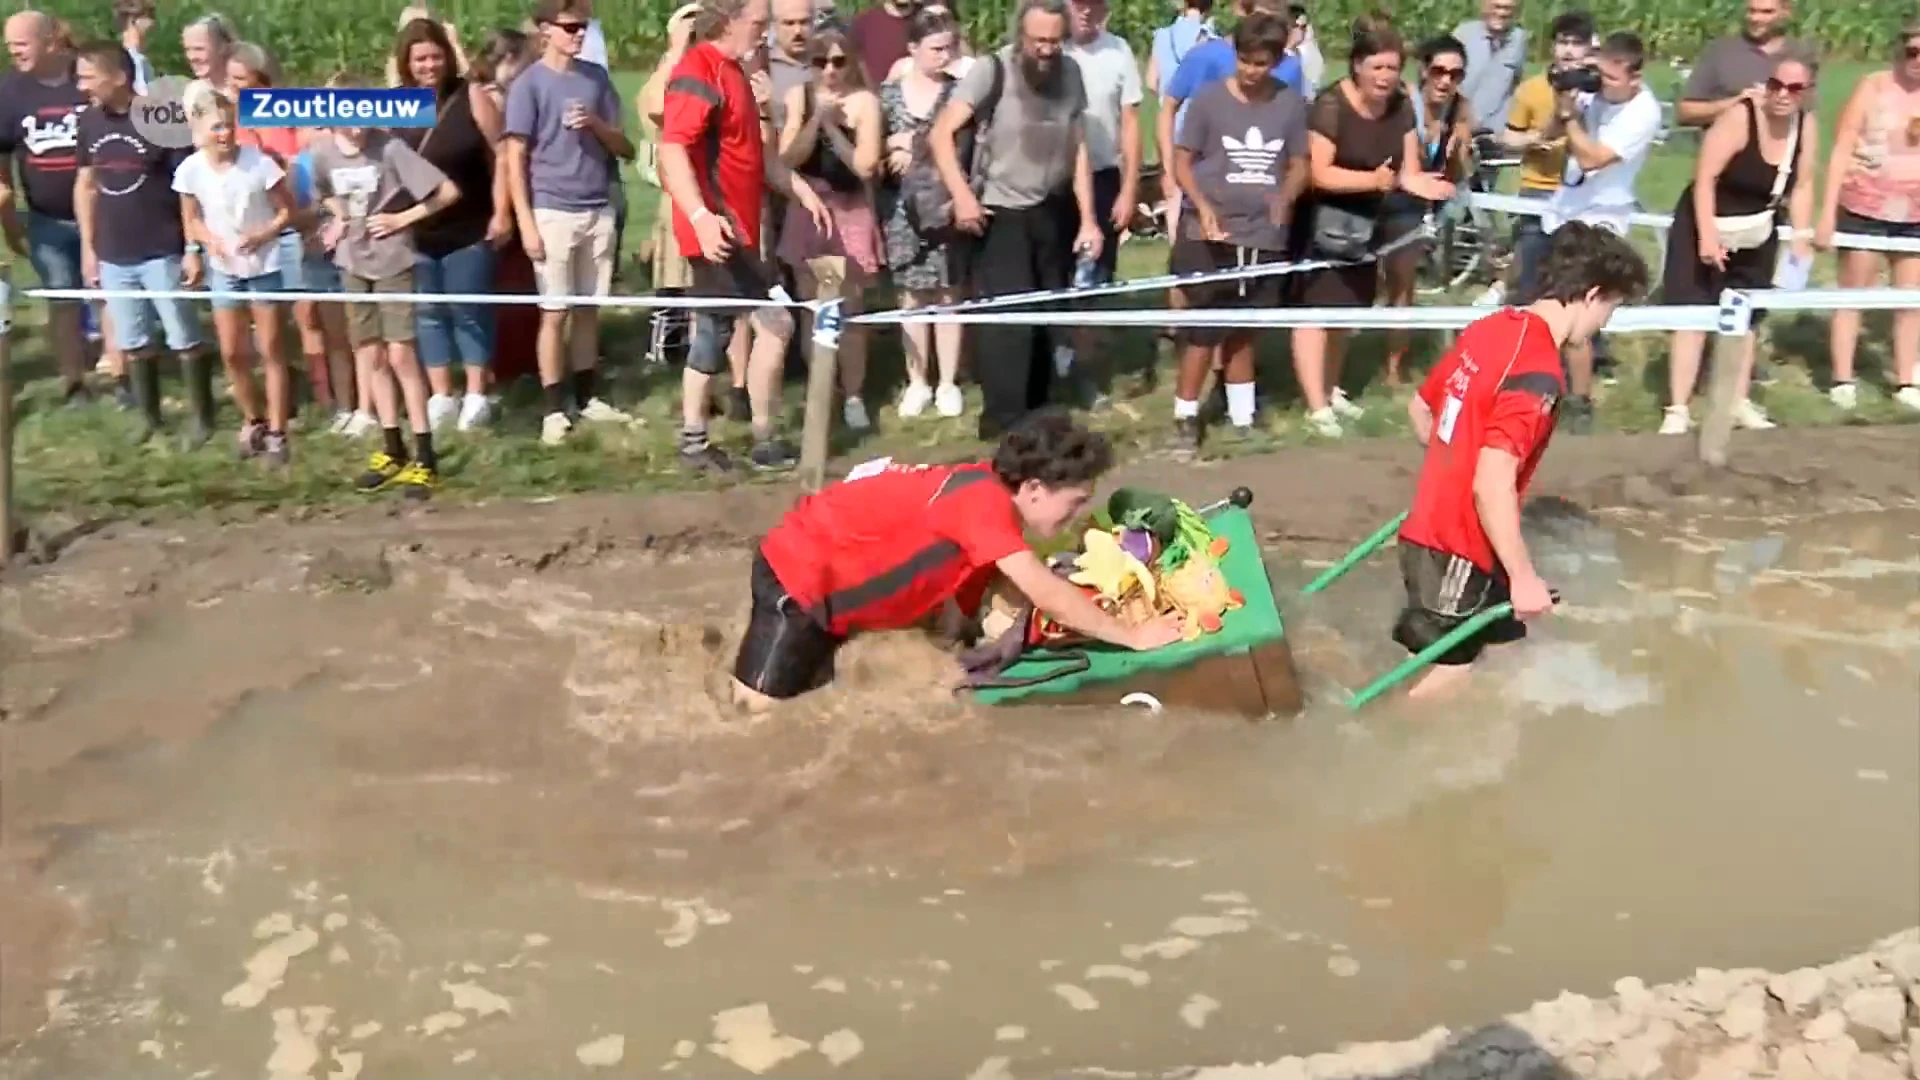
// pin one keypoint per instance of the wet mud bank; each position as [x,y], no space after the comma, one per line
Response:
[1854,1019]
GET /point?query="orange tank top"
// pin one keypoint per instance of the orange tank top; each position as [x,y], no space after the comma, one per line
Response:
[1883,180]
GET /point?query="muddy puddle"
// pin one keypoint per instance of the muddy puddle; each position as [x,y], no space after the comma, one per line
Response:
[426,820]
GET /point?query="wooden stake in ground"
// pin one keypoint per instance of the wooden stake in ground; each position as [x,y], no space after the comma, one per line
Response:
[6,418]
[830,276]
[1718,429]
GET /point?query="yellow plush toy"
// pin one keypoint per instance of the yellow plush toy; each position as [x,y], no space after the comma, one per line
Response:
[1106,566]
[1200,593]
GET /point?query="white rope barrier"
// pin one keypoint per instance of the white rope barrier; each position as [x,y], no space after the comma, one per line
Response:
[1513,204]
[510,299]
[1650,319]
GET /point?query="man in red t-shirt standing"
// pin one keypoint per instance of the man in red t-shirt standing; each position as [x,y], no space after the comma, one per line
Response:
[1485,415]
[715,167]
[892,544]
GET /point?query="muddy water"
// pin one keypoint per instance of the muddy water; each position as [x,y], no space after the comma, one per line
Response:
[496,827]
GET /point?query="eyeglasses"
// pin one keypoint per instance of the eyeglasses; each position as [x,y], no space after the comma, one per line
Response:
[1913,52]
[830,63]
[1776,86]
[1439,71]
[569,27]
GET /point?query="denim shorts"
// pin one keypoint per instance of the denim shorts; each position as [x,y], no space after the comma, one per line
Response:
[306,271]
[53,247]
[221,282]
[133,316]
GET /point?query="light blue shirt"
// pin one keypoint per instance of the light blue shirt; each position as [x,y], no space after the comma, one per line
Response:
[1172,43]
[1214,60]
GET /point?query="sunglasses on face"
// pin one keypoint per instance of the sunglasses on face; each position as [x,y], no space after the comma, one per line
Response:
[1912,51]
[830,63]
[569,27]
[1439,71]
[1777,86]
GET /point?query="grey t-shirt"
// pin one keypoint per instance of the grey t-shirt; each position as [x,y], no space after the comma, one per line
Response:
[1240,154]
[386,177]
[566,170]
[1494,71]
[1033,137]
[1734,64]
[785,75]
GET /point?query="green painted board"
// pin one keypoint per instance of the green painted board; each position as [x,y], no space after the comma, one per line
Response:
[1251,626]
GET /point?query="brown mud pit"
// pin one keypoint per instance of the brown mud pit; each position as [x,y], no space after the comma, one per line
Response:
[453,792]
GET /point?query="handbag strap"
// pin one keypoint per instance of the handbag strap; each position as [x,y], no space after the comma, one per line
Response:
[1785,172]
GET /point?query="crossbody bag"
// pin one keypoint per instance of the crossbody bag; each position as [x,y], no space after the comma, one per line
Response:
[1744,232]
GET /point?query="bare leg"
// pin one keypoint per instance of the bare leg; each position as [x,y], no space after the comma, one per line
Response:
[764,367]
[230,329]
[273,365]
[405,364]
[386,398]
[949,342]
[853,339]
[1441,681]
[1310,364]
[1398,278]
[1906,323]
[917,339]
[1683,368]
[69,340]
[551,348]
[1858,269]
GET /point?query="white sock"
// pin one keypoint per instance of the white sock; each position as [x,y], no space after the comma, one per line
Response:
[1062,360]
[1240,404]
[1185,410]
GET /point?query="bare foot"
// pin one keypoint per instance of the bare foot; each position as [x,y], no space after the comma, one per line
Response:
[1441,681]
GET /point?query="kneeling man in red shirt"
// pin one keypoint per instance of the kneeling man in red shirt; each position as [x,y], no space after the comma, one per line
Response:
[1485,415]
[892,544]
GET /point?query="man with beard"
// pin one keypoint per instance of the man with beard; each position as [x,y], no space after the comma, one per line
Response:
[1035,211]
[40,105]
[1734,69]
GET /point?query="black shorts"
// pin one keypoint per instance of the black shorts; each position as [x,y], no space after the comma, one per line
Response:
[784,652]
[744,275]
[1444,591]
[1850,222]
[1192,255]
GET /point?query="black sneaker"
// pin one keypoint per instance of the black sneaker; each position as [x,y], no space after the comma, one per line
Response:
[1576,416]
[381,470]
[706,458]
[1186,437]
[739,405]
[772,454]
[1215,407]
[77,395]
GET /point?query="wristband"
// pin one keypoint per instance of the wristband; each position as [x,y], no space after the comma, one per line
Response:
[697,213]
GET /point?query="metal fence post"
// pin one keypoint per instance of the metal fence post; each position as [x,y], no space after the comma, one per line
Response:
[1736,327]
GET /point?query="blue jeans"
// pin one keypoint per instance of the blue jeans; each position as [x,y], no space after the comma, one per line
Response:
[1530,246]
[221,282]
[455,332]
[53,247]
[133,316]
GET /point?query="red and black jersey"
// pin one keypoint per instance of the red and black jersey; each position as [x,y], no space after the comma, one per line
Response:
[885,548]
[1499,388]
[710,111]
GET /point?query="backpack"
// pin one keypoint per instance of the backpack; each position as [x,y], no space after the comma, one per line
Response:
[928,203]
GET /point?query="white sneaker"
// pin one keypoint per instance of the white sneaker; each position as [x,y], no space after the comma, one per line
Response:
[600,412]
[1751,417]
[1324,423]
[1844,396]
[476,411]
[341,421]
[1678,421]
[948,401]
[915,399]
[1908,396]
[554,429]
[854,412]
[360,425]
[1343,406]
[441,410]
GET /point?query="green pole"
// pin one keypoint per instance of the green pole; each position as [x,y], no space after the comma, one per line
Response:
[1353,558]
[1429,654]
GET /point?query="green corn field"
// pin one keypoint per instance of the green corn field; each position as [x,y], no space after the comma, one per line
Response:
[314,39]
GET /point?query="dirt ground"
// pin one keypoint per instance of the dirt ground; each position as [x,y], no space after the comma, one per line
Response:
[123,642]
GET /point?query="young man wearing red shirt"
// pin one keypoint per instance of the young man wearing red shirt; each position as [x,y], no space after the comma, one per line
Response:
[1485,415]
[716,170]
[892,544]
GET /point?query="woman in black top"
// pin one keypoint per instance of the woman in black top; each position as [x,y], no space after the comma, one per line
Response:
[1754,160]
[456,248]
[1362,146]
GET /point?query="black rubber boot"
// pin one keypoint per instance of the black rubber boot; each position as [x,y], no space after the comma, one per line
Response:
[199,370]
[144,373]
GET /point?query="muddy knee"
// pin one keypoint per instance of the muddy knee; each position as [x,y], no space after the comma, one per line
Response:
[775,321]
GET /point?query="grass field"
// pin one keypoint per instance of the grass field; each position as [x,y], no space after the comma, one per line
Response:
[83,460]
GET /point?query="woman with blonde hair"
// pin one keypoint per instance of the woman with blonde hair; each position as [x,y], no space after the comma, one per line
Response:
[207,41]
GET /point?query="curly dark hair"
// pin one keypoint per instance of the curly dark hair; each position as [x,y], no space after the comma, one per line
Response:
[1587,257]
[1048,447]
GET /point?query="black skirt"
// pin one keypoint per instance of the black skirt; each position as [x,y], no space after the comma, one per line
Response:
[1687,280]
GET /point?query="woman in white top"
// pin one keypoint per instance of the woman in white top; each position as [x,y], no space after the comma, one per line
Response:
[234,202]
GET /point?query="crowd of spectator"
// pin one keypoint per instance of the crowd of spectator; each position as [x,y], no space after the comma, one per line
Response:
[878,156]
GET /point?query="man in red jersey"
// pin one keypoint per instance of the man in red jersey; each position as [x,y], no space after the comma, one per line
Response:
[716,170]
[892,544]
[1485,415]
